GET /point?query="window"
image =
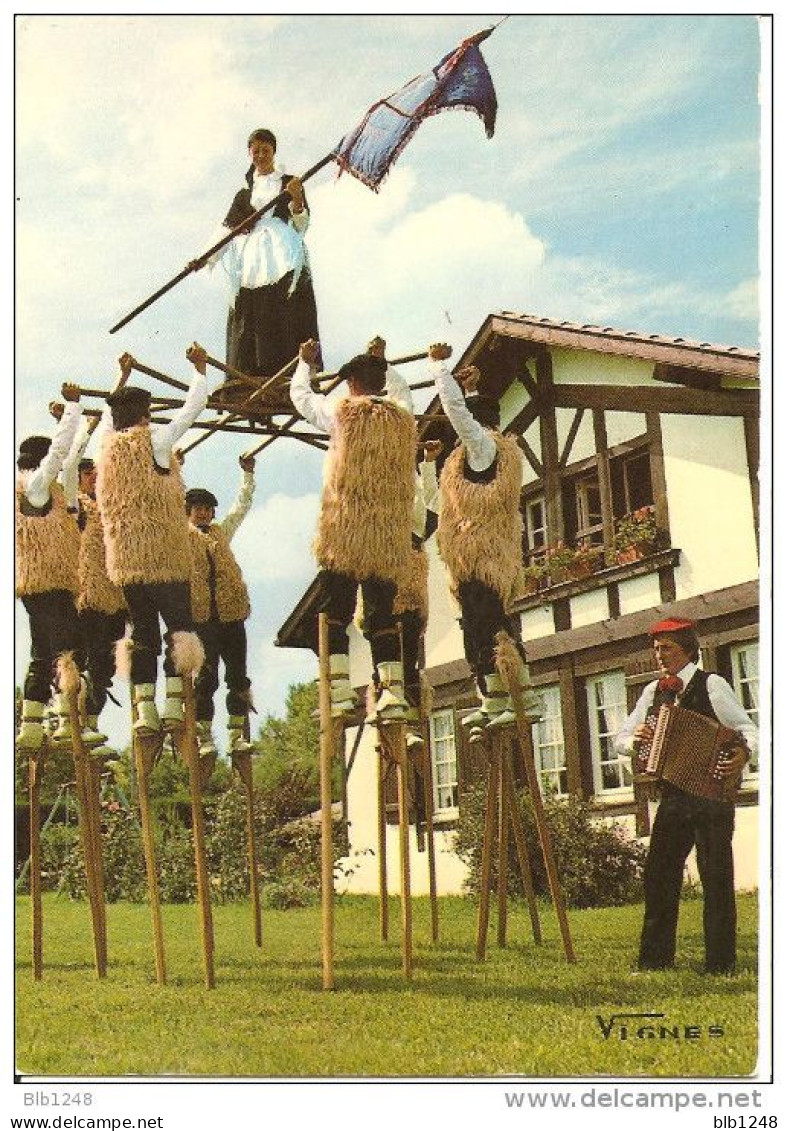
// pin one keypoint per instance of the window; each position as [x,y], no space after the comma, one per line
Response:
[443,741]
[590,523]
[637,485]
[535,515]
[548,744]
[607,712]
[745,660]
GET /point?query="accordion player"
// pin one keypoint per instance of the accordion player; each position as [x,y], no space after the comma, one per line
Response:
[690,750]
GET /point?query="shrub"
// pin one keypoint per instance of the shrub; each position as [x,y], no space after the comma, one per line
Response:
[57,844]
[599,863]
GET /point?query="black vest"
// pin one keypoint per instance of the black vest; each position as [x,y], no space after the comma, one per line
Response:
[694,698]
[241,207]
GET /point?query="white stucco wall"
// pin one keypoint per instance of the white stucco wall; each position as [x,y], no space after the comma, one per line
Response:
[581,367]
[538,622]
[639,593]
[589,608]
[443,635]
[710,508]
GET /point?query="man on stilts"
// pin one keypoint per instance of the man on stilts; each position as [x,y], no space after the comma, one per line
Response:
[140,496]
[364,528]
[220,606]
[479,536]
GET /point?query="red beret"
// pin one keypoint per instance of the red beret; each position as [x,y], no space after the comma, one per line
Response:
[671,624]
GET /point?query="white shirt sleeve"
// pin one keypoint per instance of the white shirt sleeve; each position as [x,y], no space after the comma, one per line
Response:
[311,406]
[164,437]
[431,487]
[240,508]
[69,474]
[624,739]
[42,477]
[398,390]
[729,712]
[479,445]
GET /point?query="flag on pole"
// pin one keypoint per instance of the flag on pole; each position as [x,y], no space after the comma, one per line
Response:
[459,81]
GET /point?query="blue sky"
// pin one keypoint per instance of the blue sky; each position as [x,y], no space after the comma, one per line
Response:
[621,187]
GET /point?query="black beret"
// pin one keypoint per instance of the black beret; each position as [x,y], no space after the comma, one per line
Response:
[129,395]
[35,446]
[85,465]
[366,367]
[200,497]
[484,409]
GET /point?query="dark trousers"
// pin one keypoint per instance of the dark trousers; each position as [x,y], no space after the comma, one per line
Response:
[340,592]
[413,626]
[681,822]
[53,630]
[171,600]
[482,617]
[98,633]
[226,642]
[266,325]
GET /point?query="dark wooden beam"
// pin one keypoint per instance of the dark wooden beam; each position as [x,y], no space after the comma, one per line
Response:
[528,382]
[752,436]
[658,478]
[572,435]
[604,480]
[638,398]
[550,454]
[568,706]
[522,421]
[531,456]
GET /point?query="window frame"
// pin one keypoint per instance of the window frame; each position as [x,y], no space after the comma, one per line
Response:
[623,761]
[547,691]
[751,772]
[444,813]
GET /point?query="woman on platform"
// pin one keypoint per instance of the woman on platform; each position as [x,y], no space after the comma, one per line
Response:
[272,306]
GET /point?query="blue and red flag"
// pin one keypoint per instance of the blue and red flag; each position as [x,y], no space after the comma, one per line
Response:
[459,81]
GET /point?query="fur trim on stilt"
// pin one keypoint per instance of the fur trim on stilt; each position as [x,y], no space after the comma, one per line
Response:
[123,650]
[188,655]
[508,660]
[68,678]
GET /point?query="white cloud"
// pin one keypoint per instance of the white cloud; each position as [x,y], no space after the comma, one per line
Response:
[274,542]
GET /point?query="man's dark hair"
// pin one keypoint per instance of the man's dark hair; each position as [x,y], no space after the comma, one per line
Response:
[200,497]
[85,465]
[262,135]
[128,406]
[31,452]
[484,409]
[685,638]
[367,372]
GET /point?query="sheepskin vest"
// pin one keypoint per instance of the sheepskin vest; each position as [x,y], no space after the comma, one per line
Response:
[479,534]
[212,559]
[96,591]
[412,594]
[47,545]
[143,509]
[367,498]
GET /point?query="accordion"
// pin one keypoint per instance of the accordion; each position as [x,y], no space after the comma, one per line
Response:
[688,750]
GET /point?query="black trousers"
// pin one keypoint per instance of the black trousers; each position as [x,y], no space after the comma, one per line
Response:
[266,325]
[683,821]
[413,626]
[340,592]
[54,629]
[171,600]
[98,633]
[226,642]
[482,617]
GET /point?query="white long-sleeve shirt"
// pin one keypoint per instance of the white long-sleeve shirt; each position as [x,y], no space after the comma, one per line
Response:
[164,437]
[478,442]
[69,475]
[313,407]
[726,707]
[38,482]
[240,508]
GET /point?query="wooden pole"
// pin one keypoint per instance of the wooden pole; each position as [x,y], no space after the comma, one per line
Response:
[86,829]
[490,825]
[35,767]
[429,798]
[146,749]
[326,815]
[186,741]
[383,766]
[521,845]
[399,745]
[242,763]
[502,853]
[525,735]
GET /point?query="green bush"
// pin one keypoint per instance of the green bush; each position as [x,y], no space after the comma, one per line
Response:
[57,845]
[598,862]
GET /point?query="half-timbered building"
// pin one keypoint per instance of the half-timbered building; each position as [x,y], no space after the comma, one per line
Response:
[639,497]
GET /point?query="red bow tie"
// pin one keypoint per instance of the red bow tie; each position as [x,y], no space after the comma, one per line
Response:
[671,683]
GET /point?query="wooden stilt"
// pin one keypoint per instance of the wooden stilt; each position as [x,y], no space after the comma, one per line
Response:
[383,767]
[519,840]
[490,826]
[187,741]
[326,800]
[146,750]
[35,767]
[398,742]
[88,822]
[430,845]
[242,763]
[525,736]
[502,848]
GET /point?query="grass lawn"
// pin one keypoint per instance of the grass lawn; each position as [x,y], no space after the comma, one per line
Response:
[524,1012]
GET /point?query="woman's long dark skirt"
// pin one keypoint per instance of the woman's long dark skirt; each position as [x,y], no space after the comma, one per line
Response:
[267,325]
